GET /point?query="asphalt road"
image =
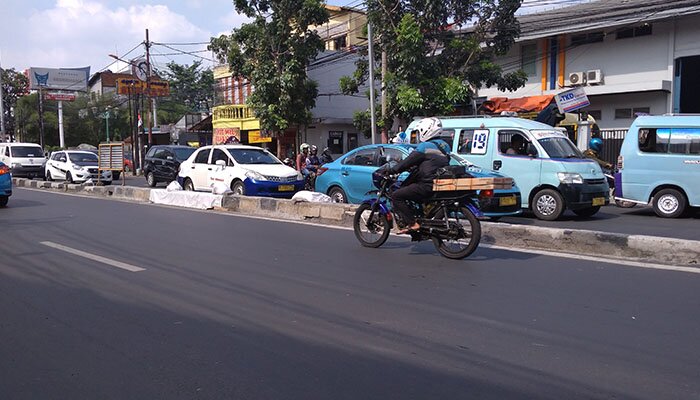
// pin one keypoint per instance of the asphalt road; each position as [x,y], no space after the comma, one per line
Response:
[235,308]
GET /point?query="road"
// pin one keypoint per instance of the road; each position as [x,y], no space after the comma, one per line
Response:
[229,307]
[639,220]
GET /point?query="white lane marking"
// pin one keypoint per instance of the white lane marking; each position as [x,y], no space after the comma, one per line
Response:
[628,263]
[94,257]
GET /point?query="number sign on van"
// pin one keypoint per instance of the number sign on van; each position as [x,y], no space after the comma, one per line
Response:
[480,141]
[572,100]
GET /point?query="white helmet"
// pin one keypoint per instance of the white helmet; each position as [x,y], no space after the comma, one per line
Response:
[428,128]
[304,146]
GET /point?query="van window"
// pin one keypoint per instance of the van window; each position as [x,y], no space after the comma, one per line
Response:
[27,151]
[473,141]
[505,137]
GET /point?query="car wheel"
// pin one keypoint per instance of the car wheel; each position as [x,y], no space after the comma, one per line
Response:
[669,203]
[151,179]
[188,185]
[69,177]
[238,188]
[338,195]
[48,176]
[4,200]
[587,212]
[548,205]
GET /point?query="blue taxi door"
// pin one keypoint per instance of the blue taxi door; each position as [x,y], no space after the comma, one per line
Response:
[356,173]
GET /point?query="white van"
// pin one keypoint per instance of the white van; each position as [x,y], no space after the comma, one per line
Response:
[24,159]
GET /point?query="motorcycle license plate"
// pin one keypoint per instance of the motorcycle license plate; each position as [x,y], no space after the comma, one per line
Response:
[598,201]
[285,188]
[507,201]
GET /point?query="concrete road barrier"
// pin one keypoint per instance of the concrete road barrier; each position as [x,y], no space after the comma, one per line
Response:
[649,249]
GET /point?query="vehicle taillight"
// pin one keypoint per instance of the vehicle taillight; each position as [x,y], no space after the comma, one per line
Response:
[4,169]
[321,170]
[486,193]
[620,162]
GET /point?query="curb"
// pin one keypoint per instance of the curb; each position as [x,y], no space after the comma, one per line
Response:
[614,246]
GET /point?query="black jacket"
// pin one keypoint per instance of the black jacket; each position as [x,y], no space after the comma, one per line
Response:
[426,159]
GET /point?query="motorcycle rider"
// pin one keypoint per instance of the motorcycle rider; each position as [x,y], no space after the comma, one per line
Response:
[326,156]
[431,154]
[595,145]
[312,161]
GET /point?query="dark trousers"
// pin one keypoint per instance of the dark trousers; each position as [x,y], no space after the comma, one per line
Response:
[415,192]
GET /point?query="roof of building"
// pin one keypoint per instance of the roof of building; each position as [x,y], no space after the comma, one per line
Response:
[601,14]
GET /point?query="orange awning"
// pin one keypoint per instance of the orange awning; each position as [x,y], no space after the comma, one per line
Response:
[496,105]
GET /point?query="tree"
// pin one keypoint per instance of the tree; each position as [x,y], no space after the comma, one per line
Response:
[191,89]
[431,67]
[273,53]
[14,85]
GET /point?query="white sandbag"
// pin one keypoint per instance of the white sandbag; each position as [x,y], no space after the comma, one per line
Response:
[219,188]
[173,186]
[311,197]
[89,182]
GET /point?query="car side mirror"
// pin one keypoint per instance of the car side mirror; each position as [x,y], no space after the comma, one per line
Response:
[220,163]
[531,150]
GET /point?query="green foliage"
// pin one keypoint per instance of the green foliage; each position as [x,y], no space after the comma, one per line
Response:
[273,52]
[14,85]
[431,68]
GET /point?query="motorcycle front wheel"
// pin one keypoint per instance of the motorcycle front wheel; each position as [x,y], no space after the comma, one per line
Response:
[371,232]
[464,236]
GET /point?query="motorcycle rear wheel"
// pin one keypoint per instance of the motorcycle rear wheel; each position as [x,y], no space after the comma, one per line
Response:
[459,247]
[370,233]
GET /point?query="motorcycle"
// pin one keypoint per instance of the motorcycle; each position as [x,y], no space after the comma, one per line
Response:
[610,177]
[449,219]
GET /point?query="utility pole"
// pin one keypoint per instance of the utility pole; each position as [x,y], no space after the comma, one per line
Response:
[385,134]
[148,89]
[41,117]
[2,108]
[371,83]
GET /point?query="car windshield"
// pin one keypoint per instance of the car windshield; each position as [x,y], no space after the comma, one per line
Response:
[253,156]
[27,151]
[83,158]
[560,147]
[182,154]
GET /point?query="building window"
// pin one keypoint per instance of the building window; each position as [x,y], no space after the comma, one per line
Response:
[637,111]
[626,33]
[596,114]
[586,38]
[528,59]
[623,113]
[340,43]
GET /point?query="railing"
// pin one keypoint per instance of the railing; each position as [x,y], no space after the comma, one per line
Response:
[612,143]
[233,111]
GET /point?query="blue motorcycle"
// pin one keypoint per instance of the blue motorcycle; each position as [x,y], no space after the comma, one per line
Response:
[448,218]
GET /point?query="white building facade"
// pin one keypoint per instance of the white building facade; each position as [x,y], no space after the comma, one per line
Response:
[630,60]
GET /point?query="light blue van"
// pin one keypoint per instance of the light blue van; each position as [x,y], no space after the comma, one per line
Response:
[551,172]
[659,163]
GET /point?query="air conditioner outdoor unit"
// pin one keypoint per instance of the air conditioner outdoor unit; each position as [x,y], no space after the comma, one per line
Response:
[594,77]
[577,78]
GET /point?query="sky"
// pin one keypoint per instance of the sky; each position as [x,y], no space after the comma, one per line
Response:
[79,33]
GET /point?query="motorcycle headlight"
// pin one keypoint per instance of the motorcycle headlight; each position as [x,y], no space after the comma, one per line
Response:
[255,175]
[569,177]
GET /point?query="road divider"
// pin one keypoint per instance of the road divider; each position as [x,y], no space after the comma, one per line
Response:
[652,249]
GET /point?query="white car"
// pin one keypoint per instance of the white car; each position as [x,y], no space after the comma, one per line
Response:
[75,166]
[245,169]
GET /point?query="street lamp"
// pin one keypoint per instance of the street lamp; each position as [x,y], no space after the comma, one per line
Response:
[105,115]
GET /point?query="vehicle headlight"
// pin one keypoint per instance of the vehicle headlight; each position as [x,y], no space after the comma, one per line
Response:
[255,175]
[300,176]
[77,167]
[569,177]
[16,165]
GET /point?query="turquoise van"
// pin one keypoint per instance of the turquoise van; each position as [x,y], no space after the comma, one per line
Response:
[551,172]
[659,163]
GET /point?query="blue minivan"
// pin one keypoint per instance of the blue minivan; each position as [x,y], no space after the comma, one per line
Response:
[659,163]
[551,172]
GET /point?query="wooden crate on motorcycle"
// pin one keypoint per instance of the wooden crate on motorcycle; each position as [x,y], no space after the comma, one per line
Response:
[450,184]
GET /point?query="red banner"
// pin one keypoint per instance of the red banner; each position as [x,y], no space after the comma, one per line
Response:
[226,135]
[59,96]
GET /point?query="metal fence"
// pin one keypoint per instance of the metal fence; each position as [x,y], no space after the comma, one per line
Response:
[612,143]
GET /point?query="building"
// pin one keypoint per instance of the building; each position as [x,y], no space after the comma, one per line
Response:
[332,117]
[105,83]
[631,57]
